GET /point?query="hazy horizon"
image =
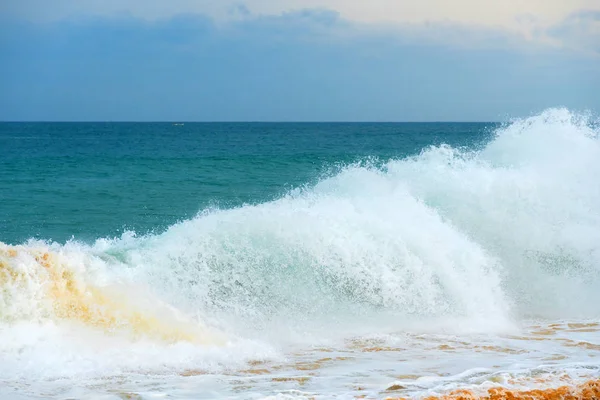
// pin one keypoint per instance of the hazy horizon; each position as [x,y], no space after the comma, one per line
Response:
[242,122]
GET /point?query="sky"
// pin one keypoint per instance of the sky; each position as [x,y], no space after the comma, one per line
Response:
[293,60]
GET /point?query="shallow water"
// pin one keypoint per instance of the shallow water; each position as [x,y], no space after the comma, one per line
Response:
[415,363]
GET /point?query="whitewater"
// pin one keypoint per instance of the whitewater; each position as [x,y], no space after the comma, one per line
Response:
[473,269]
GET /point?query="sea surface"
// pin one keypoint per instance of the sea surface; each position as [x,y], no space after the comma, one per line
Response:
[300,261]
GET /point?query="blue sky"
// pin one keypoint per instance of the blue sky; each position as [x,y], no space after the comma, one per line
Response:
[265,61]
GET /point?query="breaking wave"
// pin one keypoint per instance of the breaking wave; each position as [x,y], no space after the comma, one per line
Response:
[485,236]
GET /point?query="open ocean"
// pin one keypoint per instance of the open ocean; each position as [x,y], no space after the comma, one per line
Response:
[300,261]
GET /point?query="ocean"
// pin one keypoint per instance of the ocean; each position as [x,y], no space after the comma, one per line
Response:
[301,260]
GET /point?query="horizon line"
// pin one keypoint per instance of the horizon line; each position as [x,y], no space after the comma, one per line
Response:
[248,122]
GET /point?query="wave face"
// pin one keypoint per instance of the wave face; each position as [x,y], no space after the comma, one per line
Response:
[484,236]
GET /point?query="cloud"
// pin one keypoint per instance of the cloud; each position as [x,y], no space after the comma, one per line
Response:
[580,30]
[508,13]
[529,20]
[304,65]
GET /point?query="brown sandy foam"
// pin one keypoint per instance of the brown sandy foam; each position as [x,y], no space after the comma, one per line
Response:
[587,391]
[72,298]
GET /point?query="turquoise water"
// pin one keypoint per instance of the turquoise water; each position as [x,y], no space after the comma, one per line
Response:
[297,261]
[92,180]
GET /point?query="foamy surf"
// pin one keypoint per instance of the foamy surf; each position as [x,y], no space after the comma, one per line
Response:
[39,284]
[452,270]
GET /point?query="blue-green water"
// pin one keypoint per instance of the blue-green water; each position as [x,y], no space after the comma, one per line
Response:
[91,180]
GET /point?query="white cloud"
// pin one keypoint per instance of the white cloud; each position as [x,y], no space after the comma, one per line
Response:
[529,19]
[507,13]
